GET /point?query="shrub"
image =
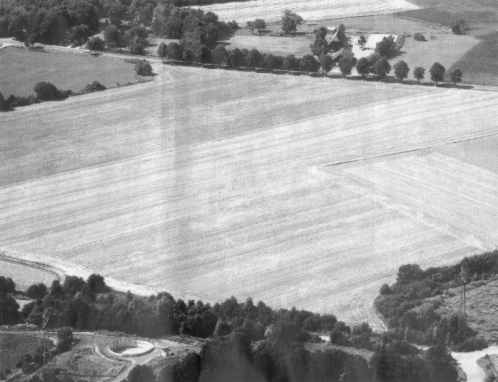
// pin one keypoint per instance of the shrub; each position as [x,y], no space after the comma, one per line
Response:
[95,43]
[94,86]
[46,91]
[143,68]
[290,63]
[419,37]
[309,64]
[437,72]
[254,58]
[236,58]
[401,70]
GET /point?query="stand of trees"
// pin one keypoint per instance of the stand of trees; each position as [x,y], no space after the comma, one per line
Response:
[409,306]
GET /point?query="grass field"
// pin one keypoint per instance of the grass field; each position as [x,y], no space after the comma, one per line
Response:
[22,69]
[14,346]
[309,10]
[210,183]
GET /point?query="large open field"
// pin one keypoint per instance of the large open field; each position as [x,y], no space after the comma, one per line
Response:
[22,69]
[309,10]
[210,183]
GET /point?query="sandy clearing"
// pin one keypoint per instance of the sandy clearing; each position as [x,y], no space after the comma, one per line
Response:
[309,10]
[468,362]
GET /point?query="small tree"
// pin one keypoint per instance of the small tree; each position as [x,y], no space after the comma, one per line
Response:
[220,55]
[437,72]
[236,58]
[254,58]
[3,104]
[37,291]
[46,91]
[459,27]
[363,67]
[137,45]
[320,45]
[362,41]
[290,22]
[456,76]
[95,43]
[401,70]
[112,36]
[381,68]
[162,50]
[259,25]
[96,283]
[290,63]
[309,64]
[174,51]
[419,73]
[346,64]
[326,63]
[387,47]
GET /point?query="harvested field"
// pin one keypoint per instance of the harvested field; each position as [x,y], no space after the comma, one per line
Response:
[22,69]
[282,46]
[24,275]
[309,10]
[223,190]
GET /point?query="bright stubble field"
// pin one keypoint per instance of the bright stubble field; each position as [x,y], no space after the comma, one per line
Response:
[211,183]
[308,9]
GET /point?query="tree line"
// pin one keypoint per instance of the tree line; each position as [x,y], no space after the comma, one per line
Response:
[410,305]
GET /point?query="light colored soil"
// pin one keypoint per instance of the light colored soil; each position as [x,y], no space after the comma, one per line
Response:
[22,69]
[469,363]
[309,10]
[211,183]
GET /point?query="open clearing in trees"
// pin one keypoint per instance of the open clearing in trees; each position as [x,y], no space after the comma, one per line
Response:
[272,10]
[208,184]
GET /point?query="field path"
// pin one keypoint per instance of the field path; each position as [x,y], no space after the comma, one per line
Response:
[211,183]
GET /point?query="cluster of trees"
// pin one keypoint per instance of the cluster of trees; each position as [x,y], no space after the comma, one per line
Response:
[44,91]
[410,306]
[283,356]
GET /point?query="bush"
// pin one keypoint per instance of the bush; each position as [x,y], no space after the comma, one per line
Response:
[46,91]
[220,55]
[459,27]
[309,64]
[95,43]
[346,64]
[143,68]
[419,37]
[94,86]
